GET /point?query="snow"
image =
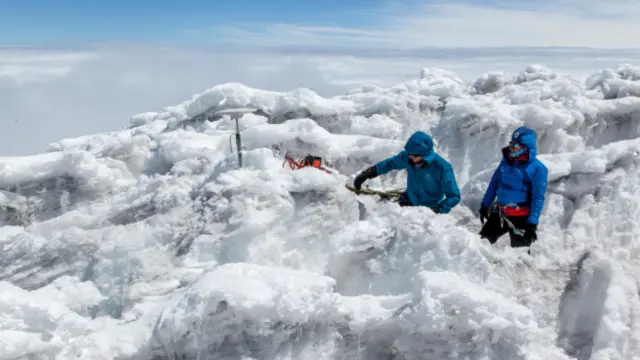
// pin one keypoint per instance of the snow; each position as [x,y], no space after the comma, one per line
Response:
[150,242]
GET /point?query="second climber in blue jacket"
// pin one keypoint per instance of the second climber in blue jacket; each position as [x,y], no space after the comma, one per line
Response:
[430,178]
[518,186]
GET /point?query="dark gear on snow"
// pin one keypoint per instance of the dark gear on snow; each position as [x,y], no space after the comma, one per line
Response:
[403,200]
[385,195]
[521,233]
[369,173]
[530,231]
[309,160]
[484,214]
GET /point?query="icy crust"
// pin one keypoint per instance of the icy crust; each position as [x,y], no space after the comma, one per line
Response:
[599,310]
[616,84]
[46,185]
[453,324]
[598,161]
[269,312]
[254,215]
[242,309]
[384,253]
[98,174]
[127,238]
[33,328]
[137,292]
[469,121]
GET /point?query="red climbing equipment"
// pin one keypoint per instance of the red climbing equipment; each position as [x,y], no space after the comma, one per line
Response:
[310,160]
[514,210]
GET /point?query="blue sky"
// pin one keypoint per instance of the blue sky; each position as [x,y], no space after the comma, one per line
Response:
[71,22]
[389,24]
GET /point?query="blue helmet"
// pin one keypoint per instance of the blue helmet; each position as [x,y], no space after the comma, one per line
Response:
[523,139]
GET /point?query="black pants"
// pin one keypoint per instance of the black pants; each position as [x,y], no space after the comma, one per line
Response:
[403,200]
[495,227]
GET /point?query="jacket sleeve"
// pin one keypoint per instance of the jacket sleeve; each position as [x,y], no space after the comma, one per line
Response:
[492,189]
[538,192]
[451,190]
[396,162]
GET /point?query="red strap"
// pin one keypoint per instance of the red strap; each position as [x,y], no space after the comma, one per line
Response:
[293,164]
[514,211]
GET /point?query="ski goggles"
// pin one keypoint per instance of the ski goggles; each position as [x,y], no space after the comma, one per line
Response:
[515,146]
[516,149]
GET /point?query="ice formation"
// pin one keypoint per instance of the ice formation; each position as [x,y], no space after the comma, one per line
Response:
[151,243]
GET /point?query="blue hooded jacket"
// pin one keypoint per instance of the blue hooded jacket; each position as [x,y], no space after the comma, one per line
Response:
[427,185]
[520,182]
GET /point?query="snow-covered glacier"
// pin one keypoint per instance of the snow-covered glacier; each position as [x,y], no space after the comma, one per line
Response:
[151,243]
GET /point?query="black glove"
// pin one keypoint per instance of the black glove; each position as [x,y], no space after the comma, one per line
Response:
[530,231]
[369,173]
[403,199]
[310,160]
[436,209]
[484,214]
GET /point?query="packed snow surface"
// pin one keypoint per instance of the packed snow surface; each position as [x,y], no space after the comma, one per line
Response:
[151,243]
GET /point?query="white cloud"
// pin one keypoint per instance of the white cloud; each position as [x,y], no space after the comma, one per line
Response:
[574,23]
[29,66]
[46,95]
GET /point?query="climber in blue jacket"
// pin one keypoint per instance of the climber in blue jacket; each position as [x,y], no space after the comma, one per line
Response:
[518,186]
[430,178]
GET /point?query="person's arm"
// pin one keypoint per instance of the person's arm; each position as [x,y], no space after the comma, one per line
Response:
[451,190]
[392,163]
[396,162]
[538,192]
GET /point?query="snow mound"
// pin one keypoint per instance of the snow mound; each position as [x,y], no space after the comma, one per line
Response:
[151,243]
[249,306]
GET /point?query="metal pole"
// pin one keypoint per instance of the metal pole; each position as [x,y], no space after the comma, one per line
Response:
[236,114]
[238,142]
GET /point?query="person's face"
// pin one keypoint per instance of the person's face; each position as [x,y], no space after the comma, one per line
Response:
[514,146]
[416,159]
[516,149]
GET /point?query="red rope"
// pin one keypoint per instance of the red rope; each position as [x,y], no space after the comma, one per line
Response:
[293,164]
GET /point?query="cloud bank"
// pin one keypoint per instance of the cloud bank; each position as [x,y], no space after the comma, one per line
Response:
[46,95]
